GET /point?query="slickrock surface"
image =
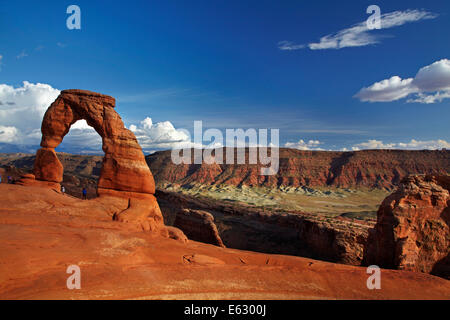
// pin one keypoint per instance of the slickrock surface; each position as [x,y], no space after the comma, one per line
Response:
[413,227]
[43,232]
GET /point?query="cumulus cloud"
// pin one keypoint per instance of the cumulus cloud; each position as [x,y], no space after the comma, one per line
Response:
[391,89]
[359,35]
[412,145]
[302,145]
[431,84]
[8,134]
[160,135]
[22,109]
[430,98]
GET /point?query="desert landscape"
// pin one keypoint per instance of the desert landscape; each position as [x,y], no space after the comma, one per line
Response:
[218,232]
[222,153]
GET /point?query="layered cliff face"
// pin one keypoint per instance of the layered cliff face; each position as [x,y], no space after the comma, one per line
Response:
[247,228]
[371,169]
[413,227]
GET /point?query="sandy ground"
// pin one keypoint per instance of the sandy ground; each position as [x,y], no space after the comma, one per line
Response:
[43,232]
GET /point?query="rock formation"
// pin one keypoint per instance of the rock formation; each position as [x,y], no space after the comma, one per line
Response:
[42,233]
[245,228]
[124,166]
[124,171]
[382,169]
[412,231]
[368,168]
[198,225]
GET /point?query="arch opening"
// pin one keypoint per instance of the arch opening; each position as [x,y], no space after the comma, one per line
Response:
[81,155]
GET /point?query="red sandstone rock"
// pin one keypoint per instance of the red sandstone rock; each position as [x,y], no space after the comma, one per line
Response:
[412,230]
[124,173]
[43,232]
[47,166]
[124,167]
[367,168]
[253,229]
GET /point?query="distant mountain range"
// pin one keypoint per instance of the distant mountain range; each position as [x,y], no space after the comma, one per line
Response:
[31,148]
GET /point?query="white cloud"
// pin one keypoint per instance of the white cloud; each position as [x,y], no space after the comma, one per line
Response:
[359,35]
[431,84]
[412,145]
[289,45]
[302,145]
[8,134]
[430,98]
[21,113]
[391,89]
[435,77]
[160,135]
[22,108]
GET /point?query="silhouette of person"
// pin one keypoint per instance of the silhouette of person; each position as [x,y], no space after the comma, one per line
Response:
[84,193]
[63,190]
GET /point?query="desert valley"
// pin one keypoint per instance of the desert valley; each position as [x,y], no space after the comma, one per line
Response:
[151,229]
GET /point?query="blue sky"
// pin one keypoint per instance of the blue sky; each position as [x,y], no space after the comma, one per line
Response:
[222,62]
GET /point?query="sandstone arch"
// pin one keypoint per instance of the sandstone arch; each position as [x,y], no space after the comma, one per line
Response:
[124,176]
[124,167]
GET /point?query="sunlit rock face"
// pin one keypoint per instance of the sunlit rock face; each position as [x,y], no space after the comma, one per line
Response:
[412,230]
[124,170]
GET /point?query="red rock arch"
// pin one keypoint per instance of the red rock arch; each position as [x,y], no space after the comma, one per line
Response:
[124,167]
[124,176]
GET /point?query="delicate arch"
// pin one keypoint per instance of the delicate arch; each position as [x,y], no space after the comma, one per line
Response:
[124,167]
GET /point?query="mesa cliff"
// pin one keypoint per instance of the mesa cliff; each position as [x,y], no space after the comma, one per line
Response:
[383,169]
[369,168]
